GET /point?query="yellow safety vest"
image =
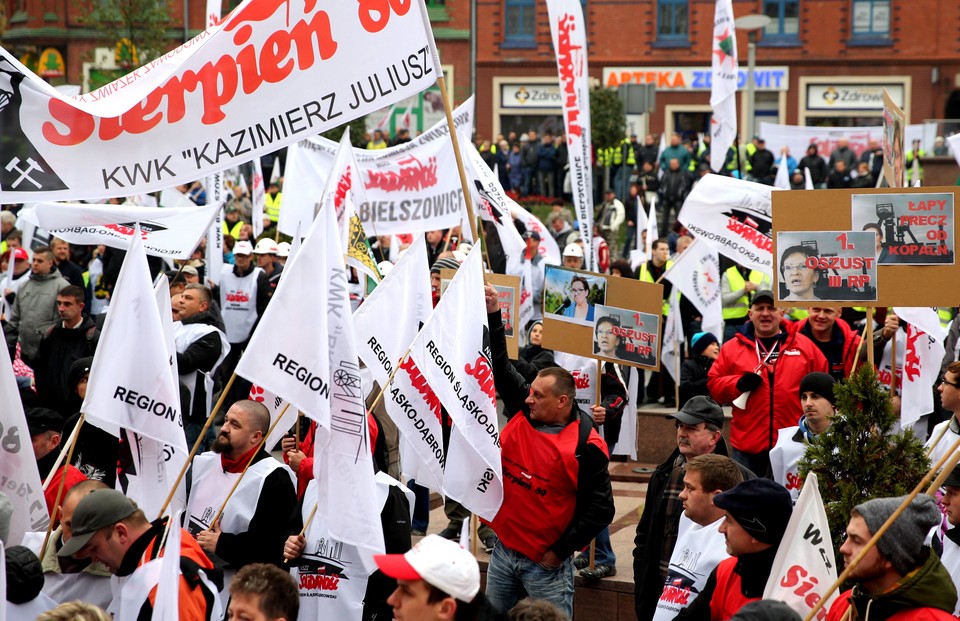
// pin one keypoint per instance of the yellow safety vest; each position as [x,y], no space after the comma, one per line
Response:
[737,282]
[645,276]
[946,315]
[908,164]
[235,233]
[271,206]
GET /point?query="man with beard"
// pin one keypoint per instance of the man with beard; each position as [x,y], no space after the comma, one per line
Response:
[252,528]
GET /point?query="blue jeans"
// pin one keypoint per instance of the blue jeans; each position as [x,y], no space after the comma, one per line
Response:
[603,555]
[511,573]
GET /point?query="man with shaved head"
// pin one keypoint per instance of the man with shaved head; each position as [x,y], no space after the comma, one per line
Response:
[250,530]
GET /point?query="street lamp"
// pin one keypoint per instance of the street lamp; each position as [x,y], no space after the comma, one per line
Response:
[751,23]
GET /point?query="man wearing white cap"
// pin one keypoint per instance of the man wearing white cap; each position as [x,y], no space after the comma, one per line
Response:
[243,293]
[266,251]
[436,580]
[573,256]
[283,252]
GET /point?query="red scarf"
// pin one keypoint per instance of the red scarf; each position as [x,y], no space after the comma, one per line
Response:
[236,466]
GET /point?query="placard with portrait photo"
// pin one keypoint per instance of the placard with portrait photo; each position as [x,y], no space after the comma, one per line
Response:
[834,266]
[624,335]
[572,295]
[912,229]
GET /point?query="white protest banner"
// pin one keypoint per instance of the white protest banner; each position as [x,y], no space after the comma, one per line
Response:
[268,75]
[921,362]
[277,406]
[585,378]
[167,602]
[171,232]
[798,137]
[258,195]
[213,263]
[453,353]
[131,384]
[733,216]
[156,465]
[569,33]
[782,180]
[695,273]
[548,245]
[286,354]
[276,171]
[413,187]
[18,464]
[804,566]
[494,206]
[723,91]
[673,337]
[3,583]
[344,472]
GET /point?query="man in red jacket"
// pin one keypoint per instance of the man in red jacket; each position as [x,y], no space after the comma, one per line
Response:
[759,371]
[835,339]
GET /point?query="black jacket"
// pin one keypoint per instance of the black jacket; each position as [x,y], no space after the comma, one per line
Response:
[59,348]
[650,533]
[595,509]
[693,378]
[818,168]
[532,360]
[199,358]
[613,398]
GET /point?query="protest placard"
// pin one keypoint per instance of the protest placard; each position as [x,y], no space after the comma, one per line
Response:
[837,266]
[508,288]
[894,126]
[578,304]
[912,229]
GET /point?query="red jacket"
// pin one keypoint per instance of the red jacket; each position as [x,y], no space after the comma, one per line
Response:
[73,477]
[771,407]
[851,340]
[728,597]
[926,613]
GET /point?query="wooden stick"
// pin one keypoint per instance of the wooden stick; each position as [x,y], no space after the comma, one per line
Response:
[296,435]
[863,338]
[937,441]
[467,197]
[944,473]
[236,484]
[880,532]
[475,533]
[196,445]
[593,554]
[63,452]
[893,363]
[676,366]
[869,326]
[306,525]
[56,502]
[593,542]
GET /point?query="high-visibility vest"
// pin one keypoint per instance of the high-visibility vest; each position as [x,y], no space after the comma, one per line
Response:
[617,155]
[946,315]
[908,163]
[645,276]
[605,156]
[271,206]
[798,314]
[627,147]
[233,232]
[742,305]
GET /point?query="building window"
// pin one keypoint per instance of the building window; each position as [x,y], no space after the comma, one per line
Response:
[520,22]
[871,18]
[672,20]
[786,19]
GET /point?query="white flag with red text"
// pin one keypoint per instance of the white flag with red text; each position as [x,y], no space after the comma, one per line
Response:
[493,205]
[277,406]
[922,355]
[453,353]
[131,384]
[167,602]
[723,91]
[695,273]
[548,245]
[804,567]
[18,467]
[258,196]
[569,32]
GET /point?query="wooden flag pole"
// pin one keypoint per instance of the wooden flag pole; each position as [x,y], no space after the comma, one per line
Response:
[893,364]
[306,525]
[56,502]
[249,461]
[880,532]
[940,435]
[944,473]
[196,445]
[869,330]
[856,357]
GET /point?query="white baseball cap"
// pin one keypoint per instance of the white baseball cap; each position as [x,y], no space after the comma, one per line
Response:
[243,247]
[573,250]
[439,562]
[265,246]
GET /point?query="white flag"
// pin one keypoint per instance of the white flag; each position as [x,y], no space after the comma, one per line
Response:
[406,119]
[548,245]
[287,353]
[733,216]
[275,172]
[805,555]
[343,465]
[131,385]
[213,18]
[493,205]
[923,353]
[695,273]
[672,339]
[258,196]
[723,91]
[18,465]
[165,231]
[213,258]
[277,406]
[167,603]
[384,122]
[782,179]
[453,352]
[807,179]
[3,584]
[585,377]
[569,32]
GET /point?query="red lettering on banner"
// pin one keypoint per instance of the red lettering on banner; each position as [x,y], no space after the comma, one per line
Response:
[796,576]
[238,296]
[412,176]
[911,358]
[343,186]
[217,80]
[482,370]
[419,383]
[581,380]
[124,230]
[568,77]
[374,14]
[750,234]
[320,582]
[793,481]
[674,595]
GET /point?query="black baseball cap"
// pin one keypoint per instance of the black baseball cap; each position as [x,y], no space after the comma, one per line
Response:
[98,509]
[40,420]
[698,410]
[760,506]
[763,293]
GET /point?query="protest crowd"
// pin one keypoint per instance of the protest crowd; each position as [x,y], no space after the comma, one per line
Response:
[254,553]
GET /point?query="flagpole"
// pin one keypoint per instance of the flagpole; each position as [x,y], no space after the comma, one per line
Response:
[249,461]
[881,531]
[944,473]
[676,363]
[196,445]
[933,446]
[856,357]
[869,326]
[306,525]
[593,542]
[893,365]
[63,451]
[56,503]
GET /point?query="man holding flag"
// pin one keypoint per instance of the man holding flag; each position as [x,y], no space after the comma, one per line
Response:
[557,494]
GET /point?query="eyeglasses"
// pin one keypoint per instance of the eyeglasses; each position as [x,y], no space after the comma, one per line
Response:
[604,332]
[575,291]
[944,380]
[794,268]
